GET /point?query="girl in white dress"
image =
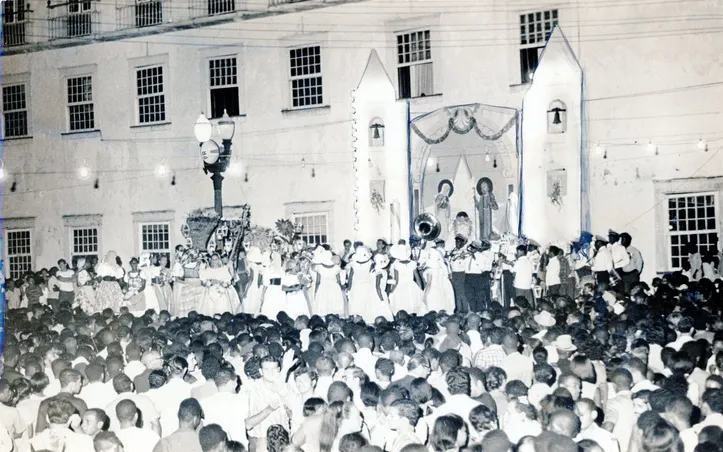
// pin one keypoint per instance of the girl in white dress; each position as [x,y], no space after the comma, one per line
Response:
[150,273]
[378,305]
[296,302]
[219,293]
[255,286]
[361,282]
[406,294]
[328,295]
[274,298]
[438,292]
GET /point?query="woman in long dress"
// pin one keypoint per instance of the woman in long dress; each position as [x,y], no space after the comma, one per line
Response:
[274,297]
[162,283]
[109,293]
[360,282]
[255,285]
[187,289]
[219,294]
[378,305]
[135,297]
[438,290]
[406,294]
[296,301]
[328,294]
[150,273]
[85,296]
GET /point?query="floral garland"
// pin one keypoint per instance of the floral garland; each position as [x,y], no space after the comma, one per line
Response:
[452,127]
[556,194]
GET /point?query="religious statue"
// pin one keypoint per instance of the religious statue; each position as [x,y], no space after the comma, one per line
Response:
[512,213]
[442,209]
[485,204]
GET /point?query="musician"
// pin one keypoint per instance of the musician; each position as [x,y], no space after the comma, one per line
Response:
[478,277]
[620,255]
[506,262]
[458,262]
[602,262]
[524,270]
[631,272]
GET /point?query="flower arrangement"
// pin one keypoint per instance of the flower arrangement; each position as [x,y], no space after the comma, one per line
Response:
[556,194]
[259,237]
[377,200]
[201,225]
[286,229]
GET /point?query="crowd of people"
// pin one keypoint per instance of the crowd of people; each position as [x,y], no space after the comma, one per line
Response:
[503,346]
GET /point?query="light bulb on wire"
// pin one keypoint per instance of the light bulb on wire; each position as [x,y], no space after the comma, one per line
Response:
[702,145]
[303,162]
[84,171]
[487,157]
[371,165]
[599,149]
[652,147]
[2,170]
[430,162]
[162,169]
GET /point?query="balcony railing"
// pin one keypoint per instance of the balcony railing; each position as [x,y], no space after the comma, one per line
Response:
[143,14]
[16,28]
[74,25]
[206,8]
[284,2]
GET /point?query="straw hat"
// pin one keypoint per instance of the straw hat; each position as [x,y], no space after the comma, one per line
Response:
[361,254]
[545,319]
[400,252]
[254,255]
[323,258]
[564,343]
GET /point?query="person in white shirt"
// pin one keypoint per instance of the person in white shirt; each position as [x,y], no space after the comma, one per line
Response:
[552,272]
[226,407]
[364,358]
[66,282]
[458,262]
[96,394]
[679,412]
[516,365]
[602,262]
[631,272]
[478,282]
[587,411]
[523,270]
[58,435]
[618,252]
[133,438]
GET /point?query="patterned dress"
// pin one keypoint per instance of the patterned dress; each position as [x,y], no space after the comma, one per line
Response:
[109,293]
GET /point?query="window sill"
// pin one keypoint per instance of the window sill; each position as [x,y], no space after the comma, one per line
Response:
[307,111]
[418,98]
[152,126]
[239,116]
[26,137]
[79,134]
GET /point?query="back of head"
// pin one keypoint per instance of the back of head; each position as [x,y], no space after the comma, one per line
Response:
[106,442]
[68,377]
[339,392]
[126,410]
[211,436]
[190,413]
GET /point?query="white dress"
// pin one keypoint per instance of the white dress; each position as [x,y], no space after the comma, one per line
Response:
[328,297]
[252,299]
[438,292]
[378,307]
[219,295]
[149,273]
[407,296]
[362,290]
[274,299]
[296,302]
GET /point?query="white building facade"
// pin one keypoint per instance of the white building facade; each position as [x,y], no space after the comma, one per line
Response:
[100,99]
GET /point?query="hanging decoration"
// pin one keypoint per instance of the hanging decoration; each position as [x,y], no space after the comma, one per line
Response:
[376,197]
[462,120]
[205,231]
[354,141]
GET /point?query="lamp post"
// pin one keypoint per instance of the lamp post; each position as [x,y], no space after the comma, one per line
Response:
[215,159]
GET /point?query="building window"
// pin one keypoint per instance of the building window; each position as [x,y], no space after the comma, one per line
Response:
[15,111]
[223,74]
[155,238]
[315,227]
[80,20]
[306,81]
[151,97]
[692,219]
[414,65]
[535,30]
[84,243]
[148,12]
[14,21]
[19,252]
[80,103]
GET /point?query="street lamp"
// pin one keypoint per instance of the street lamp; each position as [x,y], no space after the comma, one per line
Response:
[203,129]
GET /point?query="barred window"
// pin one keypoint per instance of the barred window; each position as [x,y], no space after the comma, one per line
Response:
[415,73]
[19,252]
[84,243]
[150,93]
[15,111]
[535,30]
[305,77]
[155,238]
[693,219]
[315,227]
[80,103]
[223,80]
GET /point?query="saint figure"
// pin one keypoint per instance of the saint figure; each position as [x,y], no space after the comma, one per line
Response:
[485,204]
[442,209]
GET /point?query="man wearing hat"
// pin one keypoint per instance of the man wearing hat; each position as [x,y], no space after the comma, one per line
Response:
[458,262]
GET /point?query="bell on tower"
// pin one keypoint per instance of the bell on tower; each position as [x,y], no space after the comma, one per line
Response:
[376,133]
[557,117]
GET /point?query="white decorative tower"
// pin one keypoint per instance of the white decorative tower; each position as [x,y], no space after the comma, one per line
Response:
[381,194]
[554,164]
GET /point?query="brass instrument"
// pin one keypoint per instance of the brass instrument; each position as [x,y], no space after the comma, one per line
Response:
[427,227]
